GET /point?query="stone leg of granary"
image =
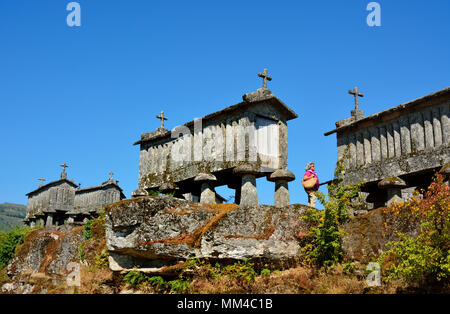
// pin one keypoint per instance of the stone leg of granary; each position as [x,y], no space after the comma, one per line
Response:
[32,223]
[394,186]
[394,196]
[187,196]
[281,193]
[139,192]
[49,221]
[407,193]
[281,177]
[207,193]
[249,193]
[71,219]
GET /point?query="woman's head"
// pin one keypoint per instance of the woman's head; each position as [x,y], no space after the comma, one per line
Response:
[310,165]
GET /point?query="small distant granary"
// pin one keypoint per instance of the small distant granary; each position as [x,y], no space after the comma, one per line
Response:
[398,150]
[232,147]
[63,201]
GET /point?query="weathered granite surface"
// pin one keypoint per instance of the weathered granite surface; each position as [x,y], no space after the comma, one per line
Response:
[365,236]
[46,255]
[150,232]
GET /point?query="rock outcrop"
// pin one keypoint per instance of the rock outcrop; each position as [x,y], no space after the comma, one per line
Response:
[151,232]
[45,256]
[365,236]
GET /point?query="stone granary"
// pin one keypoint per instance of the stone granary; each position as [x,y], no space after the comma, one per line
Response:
[398,150]
[63,201]
[232,147]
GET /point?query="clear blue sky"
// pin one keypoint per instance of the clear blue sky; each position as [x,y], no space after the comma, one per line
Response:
[83,95]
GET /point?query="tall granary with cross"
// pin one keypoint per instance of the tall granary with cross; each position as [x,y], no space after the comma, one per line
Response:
[233,147]
[398,150]
[62,201]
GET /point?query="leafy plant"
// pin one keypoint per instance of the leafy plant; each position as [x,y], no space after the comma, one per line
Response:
[424,259]
[81,254]
[135,278]
[101,259]
[10,242]
[265,272]
[156,280]
[241,270]
[325,249]
[87,232]
[154,192]
[178,286]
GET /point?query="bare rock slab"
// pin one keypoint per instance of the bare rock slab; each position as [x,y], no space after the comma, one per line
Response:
[152,232]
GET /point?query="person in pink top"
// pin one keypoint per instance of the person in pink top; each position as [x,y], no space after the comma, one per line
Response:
[309,174]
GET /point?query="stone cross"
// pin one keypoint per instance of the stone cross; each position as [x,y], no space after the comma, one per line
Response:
[162,119]
[356,94]
[110,175]
[64,167]
[265,77]
[42,180]
[63,173]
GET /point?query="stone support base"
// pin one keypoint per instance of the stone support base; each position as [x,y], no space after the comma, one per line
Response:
[281,193]
[394,196]
[208,195]
[281,177]
[49,221]
[249,193]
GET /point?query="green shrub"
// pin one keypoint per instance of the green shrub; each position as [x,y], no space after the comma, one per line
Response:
[240,270]
[87,232]
[178,286]
[265,272]
[156,280]
[135,278]
[324,248]
[101,259]
[10,242]
[81,254]
[424,259]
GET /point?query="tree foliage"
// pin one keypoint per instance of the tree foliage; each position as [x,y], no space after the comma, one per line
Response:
[424,259]
[10,241]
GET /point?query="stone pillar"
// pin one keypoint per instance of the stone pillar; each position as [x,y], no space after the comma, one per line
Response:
[394,186]
[445,172]
[49,221]
[32,223]
[249,193]
[207,193]
[281,177]
[139,192]
[71,219]
[408,193]
[188,196]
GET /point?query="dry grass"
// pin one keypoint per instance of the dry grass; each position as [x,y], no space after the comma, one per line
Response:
[298,280]
[96,280]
